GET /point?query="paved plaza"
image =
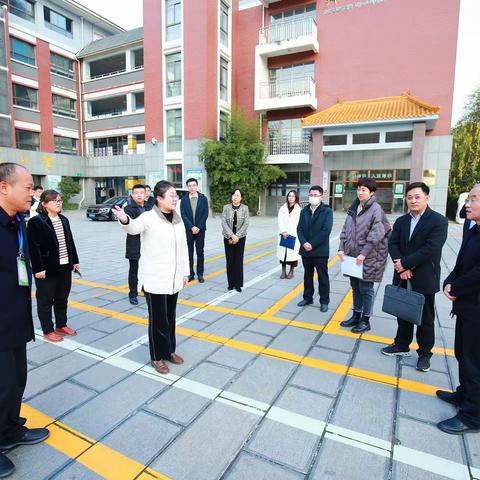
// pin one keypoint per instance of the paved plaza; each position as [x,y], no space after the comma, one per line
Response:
[268,390]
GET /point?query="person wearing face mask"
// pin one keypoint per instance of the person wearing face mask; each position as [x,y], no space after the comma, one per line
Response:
[314,228]
[365,236]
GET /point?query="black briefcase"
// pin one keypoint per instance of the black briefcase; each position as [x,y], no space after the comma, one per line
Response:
[403,303]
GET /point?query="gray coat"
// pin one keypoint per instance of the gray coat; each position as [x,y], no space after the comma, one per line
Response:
[367,234]
[227,221]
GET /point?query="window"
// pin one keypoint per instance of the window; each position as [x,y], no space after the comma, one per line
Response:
[292,23]
[22,51]
[308,11]
[138,58]
[63,106]
[224,79]
[174,175]
[65,145]
[57,22]
[361,138]
[110,146]
[406,136]
[25,96]
[224,118]
[174,19]
[61,65]
[330,140]
[27,140]
[174,74]
[224,24]
[287,137]
[109,107]
[21,8]
[139,101]
[108,66]
[174,130]
[290,80]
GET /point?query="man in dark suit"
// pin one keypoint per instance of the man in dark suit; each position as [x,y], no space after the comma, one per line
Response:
[136,205]
[462,287]
[16,324]
[194,210]
[416,248]
[314,228]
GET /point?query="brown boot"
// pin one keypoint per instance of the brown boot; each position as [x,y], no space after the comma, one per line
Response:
[176,359]
[290,273]
[284,271]
[160,366]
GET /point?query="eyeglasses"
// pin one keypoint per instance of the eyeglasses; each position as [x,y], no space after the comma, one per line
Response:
[469,201]
[56,201]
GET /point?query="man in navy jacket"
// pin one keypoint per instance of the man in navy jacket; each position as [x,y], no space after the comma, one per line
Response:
[16,324]
[194,210]
[462,287]
[314,228]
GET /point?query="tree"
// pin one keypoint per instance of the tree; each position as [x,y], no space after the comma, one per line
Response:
[238,161]
[465,167]
[69,187]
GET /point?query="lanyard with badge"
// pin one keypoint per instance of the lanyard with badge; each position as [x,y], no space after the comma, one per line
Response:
[21,261]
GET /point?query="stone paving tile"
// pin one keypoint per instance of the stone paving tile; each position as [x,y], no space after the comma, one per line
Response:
[106,410]
[229,357]
[250,467]
[276,291]
[85,319]
[140,354]
[210,316]
[87,335]
[60,399]
[265,328]
[228,326]
[368,357]
[437,362]
[212,375]
[109,325]
[432,378]
[101,376]
[284,444]
[263,379]
[366,407]
[147,435]
[55,372]
[329,355]
[317,380]
[473,444]
[304,402]
[407,472]
[247,294]
[294,340]
[193,351]
[256,304]
[429,439]
[255,338]
[423,407]
[77,471]
[343,462]
[120,338]
[220,431]
[337,342]
[46,352]
[312,315]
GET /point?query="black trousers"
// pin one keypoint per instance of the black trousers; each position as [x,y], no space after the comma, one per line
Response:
[234,256]
[13,378]
[133,278]
[320,264]
[425,331]
[161,325]
[467,352]
[53,291]
[196,241]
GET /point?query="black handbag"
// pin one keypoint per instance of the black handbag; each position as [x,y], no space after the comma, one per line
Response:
[403,303]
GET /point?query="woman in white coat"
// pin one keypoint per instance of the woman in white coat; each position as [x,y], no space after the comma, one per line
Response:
[163,269]
[288,217]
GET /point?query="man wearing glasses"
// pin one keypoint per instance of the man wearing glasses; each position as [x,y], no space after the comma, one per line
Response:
[462,287]
[314,228]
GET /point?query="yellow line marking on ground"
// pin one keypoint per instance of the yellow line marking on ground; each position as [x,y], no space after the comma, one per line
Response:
[279,354]
[97,457]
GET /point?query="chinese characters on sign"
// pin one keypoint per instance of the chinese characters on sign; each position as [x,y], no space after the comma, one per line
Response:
[350,6]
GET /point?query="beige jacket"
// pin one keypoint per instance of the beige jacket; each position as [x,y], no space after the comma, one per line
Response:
[164,253]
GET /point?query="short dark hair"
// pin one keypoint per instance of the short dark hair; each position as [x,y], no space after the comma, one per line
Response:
[147,186]
[38,187]
[425,188]
[367,182]
[8,171]
[138,185]
[47,196]
[161,188]
[316,187]
[191,180]
[236,189]
[297,198]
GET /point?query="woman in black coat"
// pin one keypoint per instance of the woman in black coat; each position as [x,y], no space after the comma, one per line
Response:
[54,257]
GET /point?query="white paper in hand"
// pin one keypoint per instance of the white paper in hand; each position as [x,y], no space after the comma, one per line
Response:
[350,268]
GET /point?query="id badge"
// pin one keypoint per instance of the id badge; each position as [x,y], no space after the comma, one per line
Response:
[22,272]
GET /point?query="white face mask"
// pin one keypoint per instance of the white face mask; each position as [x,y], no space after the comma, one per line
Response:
[314,200]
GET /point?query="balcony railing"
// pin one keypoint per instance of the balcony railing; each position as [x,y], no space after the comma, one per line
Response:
[289,30]
[289,147]
[287,88]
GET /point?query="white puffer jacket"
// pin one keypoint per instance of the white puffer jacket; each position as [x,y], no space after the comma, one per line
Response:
[163,253]
[288,222]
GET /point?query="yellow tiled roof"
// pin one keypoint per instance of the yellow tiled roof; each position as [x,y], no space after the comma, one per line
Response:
[374,109]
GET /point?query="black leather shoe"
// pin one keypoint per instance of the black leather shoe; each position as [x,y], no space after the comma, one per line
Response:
[21,421]
[324,307]
[191,278]
[134,300]
[449,397]
[238,289]
[455,426]
[230,288]
[201,280]
[6,466]
[352,321]
[304,302]
[29,437]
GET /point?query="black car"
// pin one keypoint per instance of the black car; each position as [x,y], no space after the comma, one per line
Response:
[104,210]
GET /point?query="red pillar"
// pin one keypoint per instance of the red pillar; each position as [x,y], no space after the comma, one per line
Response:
[45,96]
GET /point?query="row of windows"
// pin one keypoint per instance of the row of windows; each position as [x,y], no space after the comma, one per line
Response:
[27,140]
[27,97]
[25,52]
[367,138]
